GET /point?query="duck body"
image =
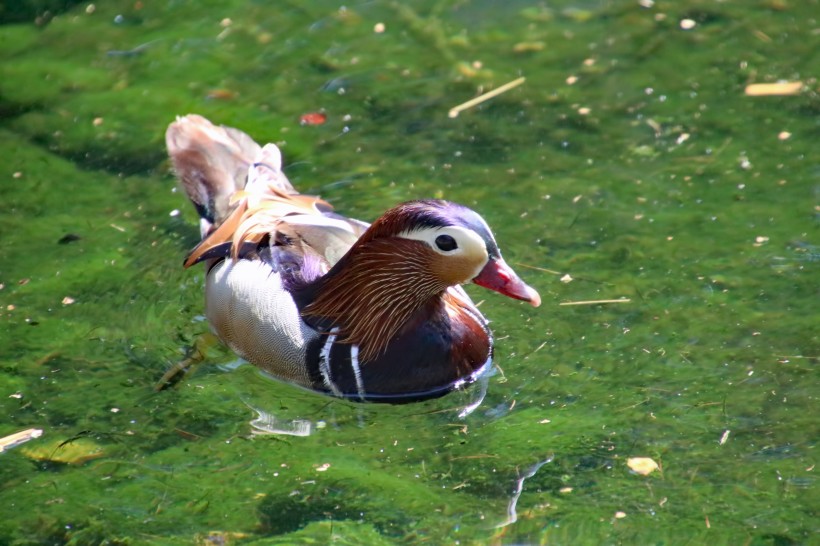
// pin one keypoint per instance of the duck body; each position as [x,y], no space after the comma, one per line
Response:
[366,312]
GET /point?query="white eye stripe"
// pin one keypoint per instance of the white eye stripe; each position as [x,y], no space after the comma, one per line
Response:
[468,242]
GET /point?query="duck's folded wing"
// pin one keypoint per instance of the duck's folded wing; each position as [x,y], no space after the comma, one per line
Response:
[330,236]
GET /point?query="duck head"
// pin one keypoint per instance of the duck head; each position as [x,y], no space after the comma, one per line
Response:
[403,264]
[459,244]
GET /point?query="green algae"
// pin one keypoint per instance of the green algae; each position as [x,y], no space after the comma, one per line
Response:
[672,190]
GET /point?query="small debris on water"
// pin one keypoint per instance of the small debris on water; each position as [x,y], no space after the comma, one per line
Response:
[725,437]
[528,47]
[642,465]
[313,118]
[221,94]
[14,440]
[456,110]
[68,238]
[769,89]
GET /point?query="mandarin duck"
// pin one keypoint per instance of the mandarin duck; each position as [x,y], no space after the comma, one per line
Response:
[366,312]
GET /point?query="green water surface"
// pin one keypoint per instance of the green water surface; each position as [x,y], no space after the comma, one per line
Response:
[629,166]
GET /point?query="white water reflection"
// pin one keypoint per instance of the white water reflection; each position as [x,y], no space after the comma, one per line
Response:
[268,423]
[512,515]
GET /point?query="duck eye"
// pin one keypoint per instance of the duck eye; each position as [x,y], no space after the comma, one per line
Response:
[446,243]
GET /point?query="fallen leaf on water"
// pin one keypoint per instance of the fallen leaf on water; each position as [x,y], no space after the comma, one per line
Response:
[221,94]
[219,538]
[642,465]
[313,118]
[76,452]
[528,47]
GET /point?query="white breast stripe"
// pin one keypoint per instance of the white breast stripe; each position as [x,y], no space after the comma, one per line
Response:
[357,373]
[324,362]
